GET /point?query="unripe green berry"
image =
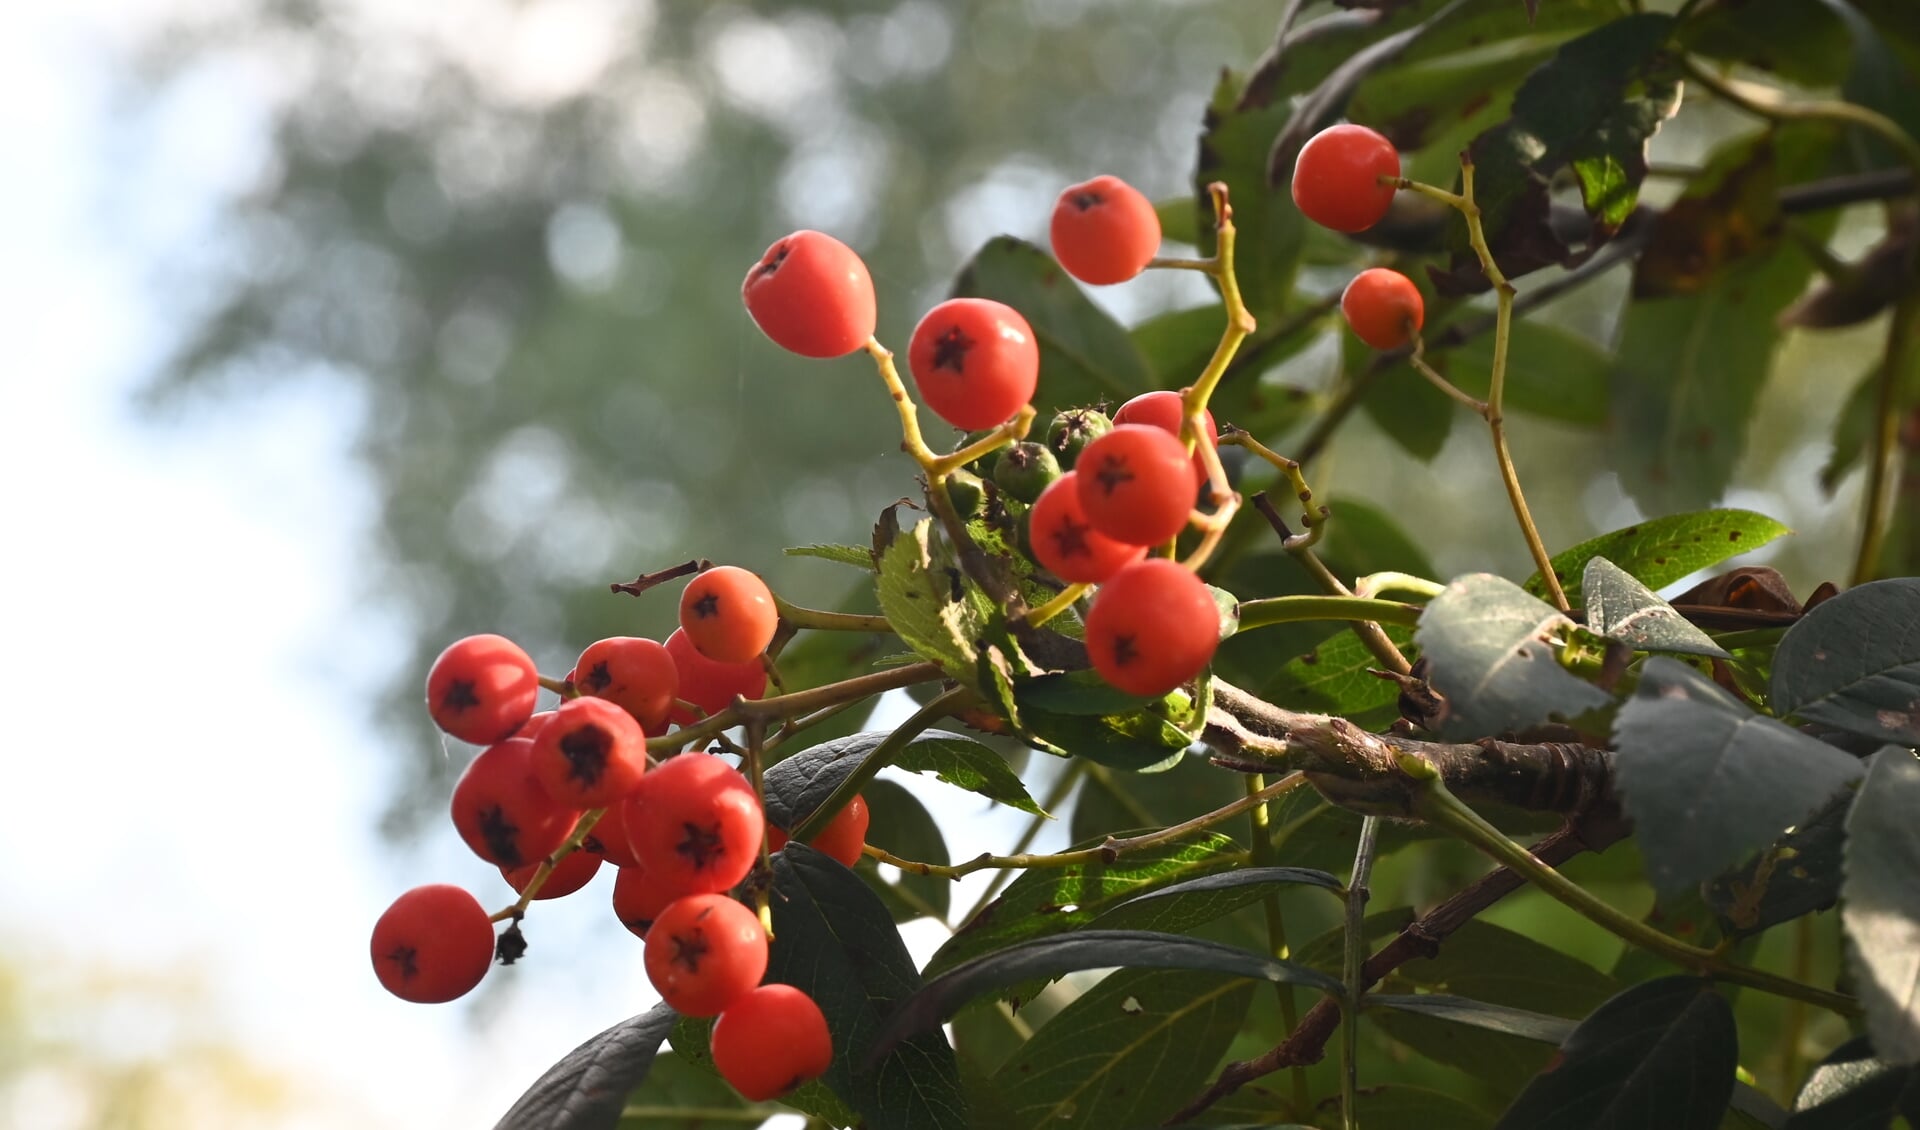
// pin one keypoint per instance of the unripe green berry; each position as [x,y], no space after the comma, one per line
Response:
[984,465]
[1072,430]
[968,493]
[1024,470]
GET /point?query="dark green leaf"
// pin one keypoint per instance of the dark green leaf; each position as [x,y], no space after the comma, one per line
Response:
[1790,38]
[1535,1026]
[1660,1054]
[1488,643]
[1177,343]
[1233,150]
[1337,677]
[1853,1090]
[1621,608]
[839,945]
[801,783]
[898,822]
[966,764]
[1660,551]
[1878,80]
[587,1089]
[1129,1052]
[1499,967]
[1411,412]
[1053,900]
[1854,663]
[1551,372]
[1397,1107]
[1880,903]
[1110,803]
[1088,949]
[1085,356]
[1707,780]
[679,1096]
[692,1043]
[1852,431]
[1179,219]
[857,556]
[1184,906]
[1798,875]
[1150,734]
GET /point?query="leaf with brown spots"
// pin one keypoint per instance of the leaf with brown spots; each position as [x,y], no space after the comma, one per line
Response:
[1660,551]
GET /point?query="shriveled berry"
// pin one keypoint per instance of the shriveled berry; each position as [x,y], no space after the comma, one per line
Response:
[637,675]
[591,755]
[1336,178]
[1152,626]
[708,684]
[503,813]
[771,1040]
[482,689]
[812,295]
[1137,484]
[728,614]
[574,871]
[1065,542]
[1025,470]
[695,823]
[1072,430]
[639,896]
[975,361]
[1383,307]
[1104,231]
[704,952]
[433,944]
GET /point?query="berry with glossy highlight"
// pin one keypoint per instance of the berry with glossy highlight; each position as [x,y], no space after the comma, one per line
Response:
[728,614]
[843,837]
[695,823]
[975,362]
[432,945]
[503,813]
[637,675]
[1064,541]
[591,754]
[770,1041]
[812,295]
[1152,627]
[639,896]
[1137,484]
[704,952]
[482,689]
[1336,178]
[1383,307]
[1104,231]
[709,684]
[576,870]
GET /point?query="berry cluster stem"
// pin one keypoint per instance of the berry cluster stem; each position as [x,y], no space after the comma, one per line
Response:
[794,705]
[942,705]
[1352,975]
[580,832]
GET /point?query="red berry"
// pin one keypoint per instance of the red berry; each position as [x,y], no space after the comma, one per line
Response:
[1104,231]
[1163,409]
[704,952]
[432,945]
[812,295]
[1137,484]
[535,724]
[710,685]
[975,361]
[572,873]
[695,823]
[639,896]
[503,813]
[591,755]
[1152,627]
[846,833]
[1065,541]
[728,614]
[482,689]
[770,1041]
[1336,179]
[608,840]
[1383,307]
[634,674]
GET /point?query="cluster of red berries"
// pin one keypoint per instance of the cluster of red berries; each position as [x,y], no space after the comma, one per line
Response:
[681,834]
[1098,503]
[1345,179]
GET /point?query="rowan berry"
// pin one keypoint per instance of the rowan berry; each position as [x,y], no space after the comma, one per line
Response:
[1025,470]
[1137,484]
[708,684]
[639,896]
[637,675]
[846,833]
[536,723]
[1065,542]
[771,1040]
[1336,178]
[1152,626]
[1104,231]
[482,689]
[591,755]
[728,614]
[574,871]
[503,813]
[432,945]
[1072,430]
[1165,409]
[695,823]
[1383,307]
[608,839]
[967,493]
[812,295]
[704,952]
[975,361]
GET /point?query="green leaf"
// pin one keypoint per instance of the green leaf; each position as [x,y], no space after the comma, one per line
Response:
[801,783]
[1396,1107]
[898,822]
[1662,1053]
[1755,33]
[1085,356]
[1660,551]
[1337,677]
[1053,900]
[1129,1052]
[1852,431]
[1799,874]
[692,1043]
[1178,343]
[1621,608]
[1880,903]
[966,764]
[1706,780]
[1147,734]
[838,944]
[1499,967]
[1854,1090]
[1487,641]
[1179,219]
[1880,81]
[1088,949]
[1185,906]
[679,1096]
[1551,372]
[1411,412]
[1114,802]
[1271,232]
[935,615]
[1853,663]
[587,1088]
[1507,1021]
[857,556]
